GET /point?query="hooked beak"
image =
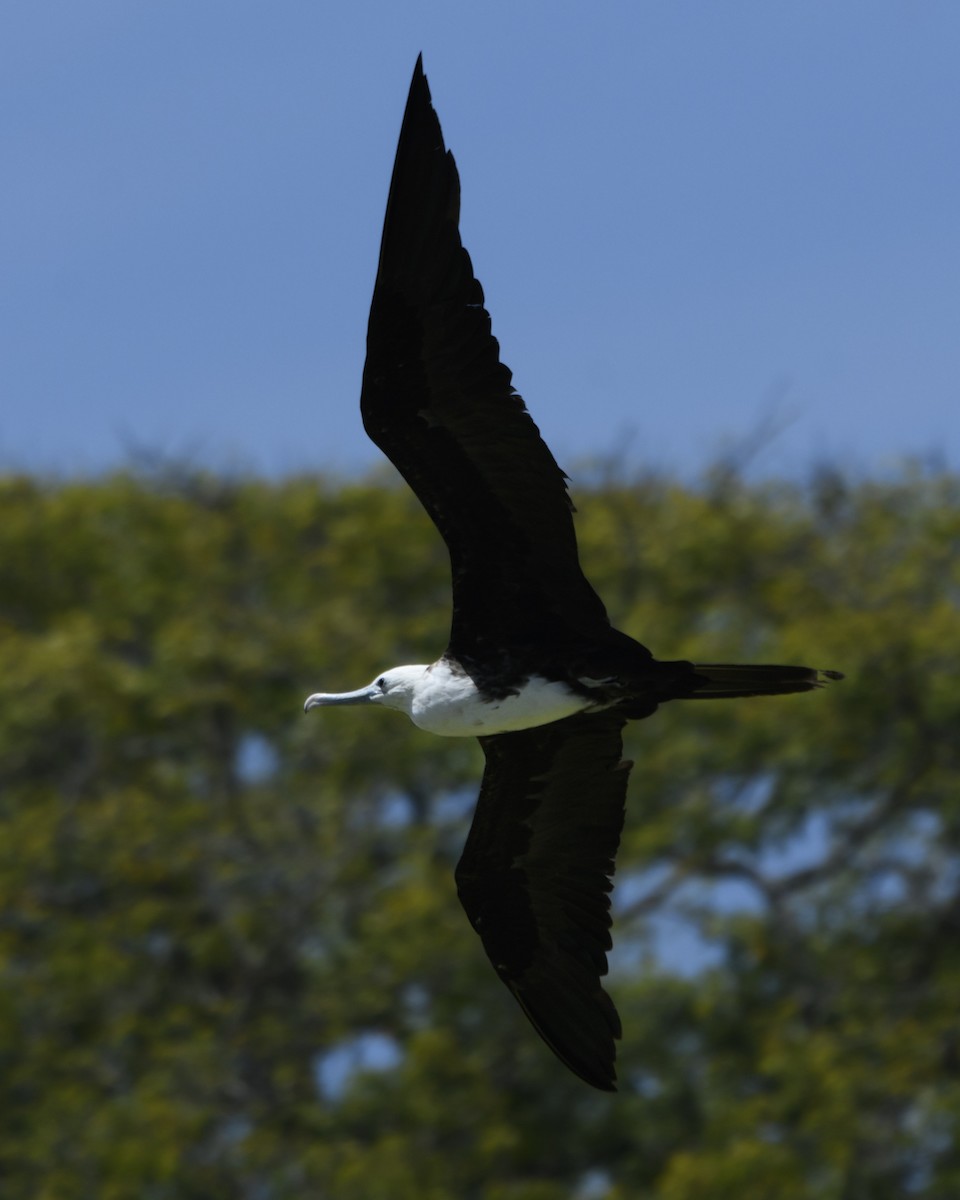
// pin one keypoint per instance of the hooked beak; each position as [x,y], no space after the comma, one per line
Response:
[364,695]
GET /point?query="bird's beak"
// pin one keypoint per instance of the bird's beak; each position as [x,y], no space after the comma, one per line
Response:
[364,695]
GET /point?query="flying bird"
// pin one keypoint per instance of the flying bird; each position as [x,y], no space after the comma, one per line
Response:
[533,667]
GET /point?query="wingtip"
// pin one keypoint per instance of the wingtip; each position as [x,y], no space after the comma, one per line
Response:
[419,88]
[419,79]
[596,1079]
[593,1062]
[602,1081]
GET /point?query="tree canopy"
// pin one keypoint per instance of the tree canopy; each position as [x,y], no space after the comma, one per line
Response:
[232,963]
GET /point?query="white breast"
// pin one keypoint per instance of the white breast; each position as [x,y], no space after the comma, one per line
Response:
[448,703]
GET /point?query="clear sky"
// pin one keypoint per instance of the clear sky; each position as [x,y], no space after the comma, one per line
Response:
[691,220]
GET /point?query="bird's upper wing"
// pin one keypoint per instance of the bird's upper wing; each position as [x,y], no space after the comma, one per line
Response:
[535,873]
[439,403]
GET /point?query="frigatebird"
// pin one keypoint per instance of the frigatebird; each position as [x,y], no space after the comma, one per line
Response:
[533,667]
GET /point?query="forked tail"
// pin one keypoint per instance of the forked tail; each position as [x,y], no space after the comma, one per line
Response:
[735,679]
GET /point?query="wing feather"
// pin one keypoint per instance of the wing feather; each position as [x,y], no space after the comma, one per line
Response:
[535,878]
[440,404]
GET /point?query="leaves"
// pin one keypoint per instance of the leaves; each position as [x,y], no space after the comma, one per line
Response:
[209,901]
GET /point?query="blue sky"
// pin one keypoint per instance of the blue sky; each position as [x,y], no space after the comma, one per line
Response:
[691,220]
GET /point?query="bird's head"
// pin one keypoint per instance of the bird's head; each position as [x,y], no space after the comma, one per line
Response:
[392,689]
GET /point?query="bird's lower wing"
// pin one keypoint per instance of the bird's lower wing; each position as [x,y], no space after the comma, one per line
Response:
[535,878]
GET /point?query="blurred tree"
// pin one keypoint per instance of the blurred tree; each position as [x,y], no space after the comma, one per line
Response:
[231,956]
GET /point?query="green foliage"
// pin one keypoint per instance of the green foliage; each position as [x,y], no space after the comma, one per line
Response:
[232,960]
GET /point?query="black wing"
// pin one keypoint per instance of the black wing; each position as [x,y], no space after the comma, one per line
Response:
[439,403]
[534,879]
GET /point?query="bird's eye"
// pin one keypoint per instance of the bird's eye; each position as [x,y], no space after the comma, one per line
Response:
[381,682]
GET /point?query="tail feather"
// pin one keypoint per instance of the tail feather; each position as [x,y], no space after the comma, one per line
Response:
[719,680]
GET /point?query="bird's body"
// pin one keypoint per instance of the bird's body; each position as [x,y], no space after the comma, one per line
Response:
[442,698]
[533,667]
